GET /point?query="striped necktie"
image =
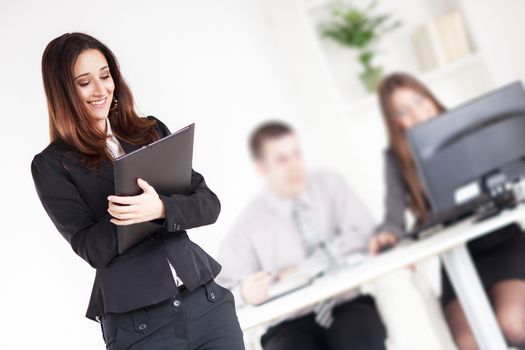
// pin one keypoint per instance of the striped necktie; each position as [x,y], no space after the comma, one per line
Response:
[307,234]
[323,310]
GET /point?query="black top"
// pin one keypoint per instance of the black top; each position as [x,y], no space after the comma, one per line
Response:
[76,202]
[396,198]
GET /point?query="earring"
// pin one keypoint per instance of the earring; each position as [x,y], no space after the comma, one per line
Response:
[114,107]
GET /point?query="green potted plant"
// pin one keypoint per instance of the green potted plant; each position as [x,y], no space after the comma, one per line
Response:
[360,30]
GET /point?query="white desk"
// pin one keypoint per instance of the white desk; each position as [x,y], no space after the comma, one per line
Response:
[450,244]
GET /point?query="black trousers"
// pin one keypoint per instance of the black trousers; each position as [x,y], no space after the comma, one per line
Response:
[357,325]
[201,319]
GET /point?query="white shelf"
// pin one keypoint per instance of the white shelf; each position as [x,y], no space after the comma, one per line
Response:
[453,67]
[368,101]
[354,99]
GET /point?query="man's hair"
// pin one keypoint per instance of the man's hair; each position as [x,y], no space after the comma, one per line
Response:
[267,131]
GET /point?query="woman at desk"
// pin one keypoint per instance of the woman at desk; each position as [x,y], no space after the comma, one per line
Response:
[499,257]
[160,293]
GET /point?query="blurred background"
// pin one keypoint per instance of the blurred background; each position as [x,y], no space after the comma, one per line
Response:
[226,65]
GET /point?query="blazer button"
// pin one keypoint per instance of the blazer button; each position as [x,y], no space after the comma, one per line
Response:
[176,303]
[142,326]
[212,296]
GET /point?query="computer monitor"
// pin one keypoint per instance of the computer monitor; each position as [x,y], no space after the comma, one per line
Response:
[472,149]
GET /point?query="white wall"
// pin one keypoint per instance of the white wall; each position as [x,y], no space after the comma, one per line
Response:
[212,62]
[500,33]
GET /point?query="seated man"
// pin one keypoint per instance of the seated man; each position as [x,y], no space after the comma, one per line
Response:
[300,218]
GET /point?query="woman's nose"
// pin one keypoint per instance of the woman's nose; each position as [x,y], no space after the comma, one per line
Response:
[418,114]
[99,88]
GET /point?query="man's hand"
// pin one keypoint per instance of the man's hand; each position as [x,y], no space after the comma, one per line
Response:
[254,288]
[127,210]
[381,240]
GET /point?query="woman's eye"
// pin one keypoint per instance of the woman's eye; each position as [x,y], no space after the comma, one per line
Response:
[83,83]
[105,77]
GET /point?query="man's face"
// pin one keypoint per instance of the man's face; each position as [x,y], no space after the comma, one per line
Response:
[281,163]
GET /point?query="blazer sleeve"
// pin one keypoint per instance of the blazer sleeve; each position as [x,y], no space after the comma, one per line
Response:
[185,211]
[395,199]
[93,240]
[198,208]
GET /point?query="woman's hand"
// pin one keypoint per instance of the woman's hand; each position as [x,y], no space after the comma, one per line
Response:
[127,210]
[381,240]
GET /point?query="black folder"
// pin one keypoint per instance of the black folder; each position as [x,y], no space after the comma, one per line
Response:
[165,164]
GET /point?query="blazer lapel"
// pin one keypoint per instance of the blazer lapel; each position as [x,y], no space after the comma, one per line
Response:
[107,170]
[128,147]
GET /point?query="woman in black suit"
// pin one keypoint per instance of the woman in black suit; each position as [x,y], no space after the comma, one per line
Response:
[499,257]
[160,294]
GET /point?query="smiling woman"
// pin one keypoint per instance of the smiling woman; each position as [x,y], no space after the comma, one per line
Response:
[406,103]
[160,293]
[96,86]
[82,81]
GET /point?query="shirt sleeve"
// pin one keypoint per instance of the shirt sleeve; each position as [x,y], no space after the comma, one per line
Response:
[93,240]
[238,259]
[352,219]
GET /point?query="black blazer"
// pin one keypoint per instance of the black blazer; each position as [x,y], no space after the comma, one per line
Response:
[76,202]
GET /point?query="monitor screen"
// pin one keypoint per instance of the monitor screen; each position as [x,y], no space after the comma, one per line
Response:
[456,151]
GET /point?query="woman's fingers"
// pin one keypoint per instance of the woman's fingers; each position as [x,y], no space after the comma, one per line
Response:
[130,218]
[386,239]
[373,246]
[122,209]
[143,207]
[123,212]
[380,240]
[124,216]
[125,199]
[147,188]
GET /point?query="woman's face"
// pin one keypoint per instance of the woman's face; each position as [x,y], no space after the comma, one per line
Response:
[412,107]
[94,82]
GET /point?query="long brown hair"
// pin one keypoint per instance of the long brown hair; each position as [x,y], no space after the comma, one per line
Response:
[70,120]
[396,136]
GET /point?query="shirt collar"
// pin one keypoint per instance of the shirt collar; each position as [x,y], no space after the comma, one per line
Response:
[284,205]
[109,132]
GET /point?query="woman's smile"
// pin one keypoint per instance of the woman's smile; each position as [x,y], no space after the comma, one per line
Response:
[100,103]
